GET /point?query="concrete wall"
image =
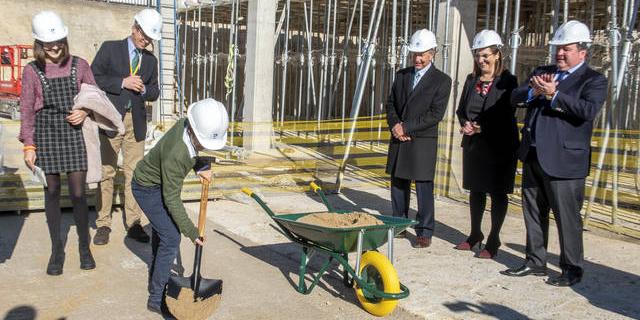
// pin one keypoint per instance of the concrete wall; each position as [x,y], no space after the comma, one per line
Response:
[89,22]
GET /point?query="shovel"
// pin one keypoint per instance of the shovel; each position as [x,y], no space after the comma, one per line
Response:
[194,297]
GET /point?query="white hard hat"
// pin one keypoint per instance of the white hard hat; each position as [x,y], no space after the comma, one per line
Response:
[209,121]
[422,40]
[486,38]
[151,23]
[47,26]
[572,31]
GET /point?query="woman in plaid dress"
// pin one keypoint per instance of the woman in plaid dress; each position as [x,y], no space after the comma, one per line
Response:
[52,133]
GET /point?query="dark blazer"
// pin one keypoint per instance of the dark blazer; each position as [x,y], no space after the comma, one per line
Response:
[111,66]
[563,131]
[420,110]
[489,157]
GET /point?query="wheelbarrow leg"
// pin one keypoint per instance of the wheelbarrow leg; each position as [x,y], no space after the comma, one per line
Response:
[302,271]
[390,236]
[346,280]
[359,251]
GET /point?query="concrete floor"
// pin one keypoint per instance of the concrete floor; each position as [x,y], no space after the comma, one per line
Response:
[259,268]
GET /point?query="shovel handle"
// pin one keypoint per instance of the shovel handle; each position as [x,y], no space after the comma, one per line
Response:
[202,216]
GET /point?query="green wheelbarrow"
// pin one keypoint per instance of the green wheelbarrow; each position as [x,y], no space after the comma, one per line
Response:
[374,278]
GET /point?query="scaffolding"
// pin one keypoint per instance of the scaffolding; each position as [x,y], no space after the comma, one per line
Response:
[335,62]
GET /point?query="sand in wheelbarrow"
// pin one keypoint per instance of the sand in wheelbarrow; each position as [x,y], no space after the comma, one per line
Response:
[341,220]
[184,308]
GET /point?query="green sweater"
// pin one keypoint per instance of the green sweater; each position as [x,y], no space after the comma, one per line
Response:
[166,165]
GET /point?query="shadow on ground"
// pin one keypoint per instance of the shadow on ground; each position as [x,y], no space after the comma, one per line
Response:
[604,287]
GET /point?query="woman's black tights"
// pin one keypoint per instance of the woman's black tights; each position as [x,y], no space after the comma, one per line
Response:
[76,182]
[499,203]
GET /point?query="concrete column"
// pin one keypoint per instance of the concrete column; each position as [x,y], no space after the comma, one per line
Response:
[460,33]
[258,83]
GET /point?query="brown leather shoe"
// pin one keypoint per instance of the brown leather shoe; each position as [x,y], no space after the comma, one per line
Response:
[422,242]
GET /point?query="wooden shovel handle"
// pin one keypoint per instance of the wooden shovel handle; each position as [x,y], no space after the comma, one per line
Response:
[202,216]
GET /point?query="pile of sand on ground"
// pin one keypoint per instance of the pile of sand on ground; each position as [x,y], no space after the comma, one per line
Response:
[184,308]
[341,220]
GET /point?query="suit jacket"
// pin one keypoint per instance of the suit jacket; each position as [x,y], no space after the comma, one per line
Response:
[489,157]
[563,129]
[111,66]
[420,110]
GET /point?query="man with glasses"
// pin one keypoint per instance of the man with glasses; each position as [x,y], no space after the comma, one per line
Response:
[417,103]
[128,73]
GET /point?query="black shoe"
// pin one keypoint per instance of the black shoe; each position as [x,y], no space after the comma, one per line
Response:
[102,236]
[155,308]
[525,270]
[86,260]
[137,233]
[567,279]
[56,262]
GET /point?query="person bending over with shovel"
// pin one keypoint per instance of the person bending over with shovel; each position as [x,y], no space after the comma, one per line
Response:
[157,184]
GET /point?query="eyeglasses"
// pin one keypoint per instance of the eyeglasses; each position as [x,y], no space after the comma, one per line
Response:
[483,56]
[144,35]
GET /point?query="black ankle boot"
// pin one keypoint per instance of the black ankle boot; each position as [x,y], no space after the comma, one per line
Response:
[86,259]
[56,261]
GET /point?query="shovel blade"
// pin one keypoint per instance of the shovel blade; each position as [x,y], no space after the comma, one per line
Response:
[207,287]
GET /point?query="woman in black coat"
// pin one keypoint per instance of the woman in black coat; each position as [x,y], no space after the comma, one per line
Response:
[490,140]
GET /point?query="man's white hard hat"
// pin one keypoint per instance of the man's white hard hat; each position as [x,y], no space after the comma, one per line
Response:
[486,38]
[422,40]
[572,31]
[150,21]
[47,26]
[209,120]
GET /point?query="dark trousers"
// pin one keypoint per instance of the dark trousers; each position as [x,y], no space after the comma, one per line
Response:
[165,238]
[542,193]
[400,192]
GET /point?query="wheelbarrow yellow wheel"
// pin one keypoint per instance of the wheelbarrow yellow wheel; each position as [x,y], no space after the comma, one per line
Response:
[378,271]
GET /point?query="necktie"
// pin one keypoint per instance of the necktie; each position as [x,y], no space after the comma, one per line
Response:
[562,75]
[134,66]
[416,79]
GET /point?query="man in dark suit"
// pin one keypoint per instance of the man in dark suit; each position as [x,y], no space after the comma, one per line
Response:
[417,103]
[562,102]
[128,73]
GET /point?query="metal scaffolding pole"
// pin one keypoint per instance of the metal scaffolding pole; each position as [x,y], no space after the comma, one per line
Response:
[515,36]
[311,90]
[197,56]
[212,79]
[487,14]
[332,62]
[392,60]
[565,11]
[554,27]
[405,48]
[613,38]
[445,45]
[363,73]
[285,62]
[184,64]
[505,16]
[495,17]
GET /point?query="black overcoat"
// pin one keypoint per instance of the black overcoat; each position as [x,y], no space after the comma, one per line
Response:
[420,110]
[489,157]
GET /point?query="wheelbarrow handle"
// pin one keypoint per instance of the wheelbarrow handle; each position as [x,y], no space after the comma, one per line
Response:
[319,191]
[314,186]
